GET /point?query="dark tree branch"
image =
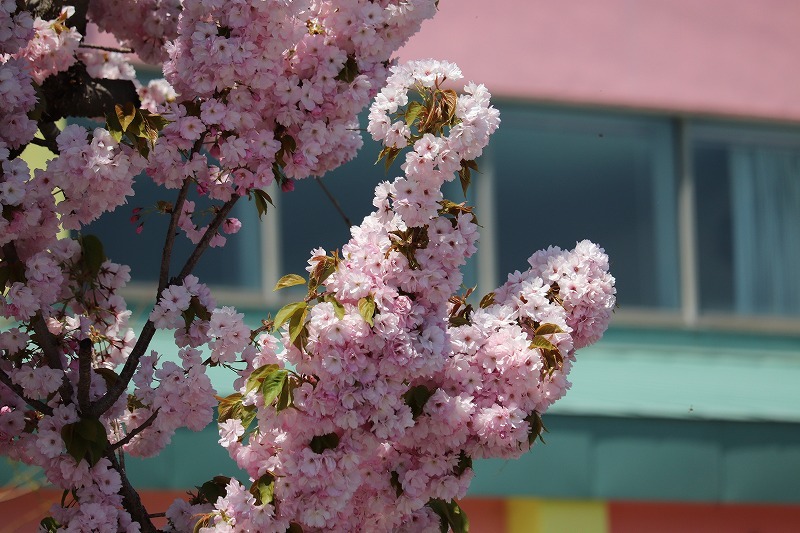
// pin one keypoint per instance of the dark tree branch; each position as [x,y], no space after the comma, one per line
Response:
[106,48]
[146,424]
[130,498]
[129,369]
[19,391]
[50,132]
[163,275]
[44,9]
[334,201]
[73,93]
[201,247]
[84,373]
[104,403]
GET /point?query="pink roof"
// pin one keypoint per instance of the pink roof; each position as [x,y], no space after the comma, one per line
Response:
[720,57]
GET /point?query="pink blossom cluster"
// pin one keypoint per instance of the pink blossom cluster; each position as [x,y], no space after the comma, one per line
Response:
[96,487]
[393,391]
[93,313]
[94,174]
[275,87]
[175,395]
[107,65]
[53,46]
[434,159]
[17,97]
[16,27]
[143,25]
[585,289]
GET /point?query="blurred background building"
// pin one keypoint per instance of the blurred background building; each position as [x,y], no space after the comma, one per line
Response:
[669,133]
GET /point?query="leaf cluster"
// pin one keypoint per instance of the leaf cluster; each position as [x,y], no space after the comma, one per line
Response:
[407,242]
[551,356]
[139,127]
[435,111]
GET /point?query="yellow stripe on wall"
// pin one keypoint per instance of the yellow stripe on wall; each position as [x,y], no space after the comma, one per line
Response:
[556,516]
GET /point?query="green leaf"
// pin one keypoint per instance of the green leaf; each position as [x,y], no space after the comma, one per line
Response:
[232,407]
[212,490]
[548,329]
[289,280]
[261,199]
[114,127]
[297,325]
[536,424]
[272,385]
[263,489]
[366,307]
[487,300]
[287,311]
[416,398]
[294,527]
[286,397]
[320,443]
[390,153]
[450,515]
[126,114]
[413,112]
[349,71]
[258,375]
[338,308]
[542,344]
[85,439]
[92,254]
[49,525]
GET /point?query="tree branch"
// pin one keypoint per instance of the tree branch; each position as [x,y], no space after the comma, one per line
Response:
[106,48]
[129,369]
[130,498]
[201,247]
[163,275]
[19,391]
[73,93]
[104,403]
[146,424]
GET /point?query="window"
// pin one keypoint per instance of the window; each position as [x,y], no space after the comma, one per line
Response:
[748,219]
[561,177]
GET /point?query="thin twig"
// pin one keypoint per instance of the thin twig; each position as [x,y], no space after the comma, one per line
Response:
[334,202]
[210,233]
[106,48]
[163,276]
[19,391]
[146,424]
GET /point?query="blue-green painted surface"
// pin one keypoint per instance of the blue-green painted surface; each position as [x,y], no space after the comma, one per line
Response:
[669,374]
[583,458]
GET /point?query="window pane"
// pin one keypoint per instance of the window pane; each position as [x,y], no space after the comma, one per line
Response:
[309,219]
[237,264]
[748,213]
[566,176]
